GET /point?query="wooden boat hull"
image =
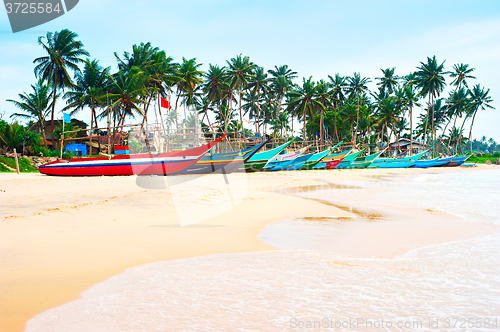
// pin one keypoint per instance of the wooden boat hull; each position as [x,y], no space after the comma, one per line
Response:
[260,159]
[358,165]
[298,162]
[139,164]
[458,161]
[429,163]
[229,162]
[393,164]
[331,161]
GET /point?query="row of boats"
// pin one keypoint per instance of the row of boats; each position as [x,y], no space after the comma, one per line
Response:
[200,161]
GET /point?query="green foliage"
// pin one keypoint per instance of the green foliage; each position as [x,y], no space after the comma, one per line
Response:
[24,164]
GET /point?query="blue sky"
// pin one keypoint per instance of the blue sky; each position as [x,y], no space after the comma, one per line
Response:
[314,38]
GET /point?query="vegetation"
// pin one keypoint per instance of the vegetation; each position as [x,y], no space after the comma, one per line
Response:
[227,97]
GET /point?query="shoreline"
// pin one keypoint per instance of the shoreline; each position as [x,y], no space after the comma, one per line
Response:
[77,232]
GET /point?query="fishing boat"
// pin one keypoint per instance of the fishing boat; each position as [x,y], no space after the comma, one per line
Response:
[298,162]
[363,162]
[227,162]
[332,160]
[349,159]
[436,162]
[167,163]
[260,159]
[282,161]
[458,161]
[313,160]
[405,162]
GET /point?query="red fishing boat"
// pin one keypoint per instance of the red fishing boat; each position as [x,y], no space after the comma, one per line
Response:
[139,164]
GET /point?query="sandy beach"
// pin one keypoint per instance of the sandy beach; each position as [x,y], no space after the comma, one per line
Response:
[61,236]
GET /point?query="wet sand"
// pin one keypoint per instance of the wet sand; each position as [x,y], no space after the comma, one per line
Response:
[60,236]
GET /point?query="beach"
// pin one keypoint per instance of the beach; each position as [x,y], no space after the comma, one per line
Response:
[60,236]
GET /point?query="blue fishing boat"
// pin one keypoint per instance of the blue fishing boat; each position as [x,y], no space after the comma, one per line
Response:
[298,162]
[282,161]
[457,161]
[398,162]
[430,163]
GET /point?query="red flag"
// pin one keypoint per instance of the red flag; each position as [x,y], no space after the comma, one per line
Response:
[164,103]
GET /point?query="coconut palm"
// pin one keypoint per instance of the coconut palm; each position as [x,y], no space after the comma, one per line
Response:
[128,91]
[189,78]
[35,105]
[214,85]
[411,100]
[338,89]
[305,101]
[324,97]
[281,83]
[357,85]
[239,71]
[388,82]
[388,115]
[480,101]
[88,90]
[461,72]
[259,85]
[431,82]
[64,53]
[458,104]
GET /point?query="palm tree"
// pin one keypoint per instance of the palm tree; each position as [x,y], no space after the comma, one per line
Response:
[281,83]
[128,91]
[460,74]
[35,105]
[88,91]
[64,53]
[388,82]
[430,80]
[411,100]
[258,85]
[480,101]
[305,100]
[189,78]
[251,107]
[324,95]
[388,114]
[357,85]
[239,70]
[213,87]
[338,89]
[458,103]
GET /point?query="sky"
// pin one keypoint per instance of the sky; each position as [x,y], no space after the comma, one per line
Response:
[314,38]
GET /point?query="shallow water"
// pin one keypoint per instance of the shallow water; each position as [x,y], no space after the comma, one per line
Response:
[283,290]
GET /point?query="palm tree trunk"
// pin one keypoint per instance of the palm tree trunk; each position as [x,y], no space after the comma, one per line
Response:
[335,122]
[458,144]
[241,117]
[454,124]
[176,114]
[321,133]
[258,109]
[305,137]
[146,111]
[53,111]
[433,134]
[91,123]
[411,129]
[470,131]
[357,121]
[427,119]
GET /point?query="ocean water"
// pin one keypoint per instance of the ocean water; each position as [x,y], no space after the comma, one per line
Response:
[453,286]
